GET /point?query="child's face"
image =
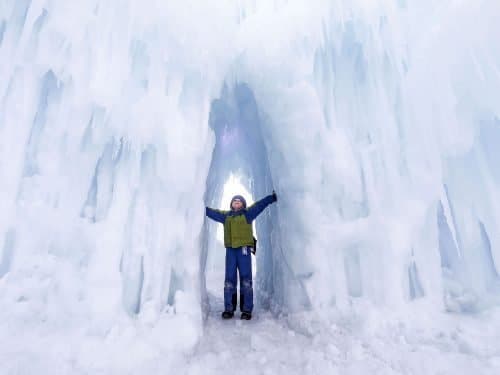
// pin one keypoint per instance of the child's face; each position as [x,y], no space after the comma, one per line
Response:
[237,205]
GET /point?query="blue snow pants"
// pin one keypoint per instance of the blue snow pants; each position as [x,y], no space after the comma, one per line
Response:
[238,259]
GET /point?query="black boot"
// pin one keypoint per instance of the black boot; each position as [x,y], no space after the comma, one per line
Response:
[227,314]
[246,315]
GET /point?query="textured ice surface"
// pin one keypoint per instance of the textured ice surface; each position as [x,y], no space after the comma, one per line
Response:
[376,122]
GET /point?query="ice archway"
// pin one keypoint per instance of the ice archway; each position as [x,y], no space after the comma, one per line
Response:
[240,149]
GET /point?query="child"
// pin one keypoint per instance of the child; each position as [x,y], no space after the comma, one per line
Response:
[239,242]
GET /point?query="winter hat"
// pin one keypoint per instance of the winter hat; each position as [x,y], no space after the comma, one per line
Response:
[240,198]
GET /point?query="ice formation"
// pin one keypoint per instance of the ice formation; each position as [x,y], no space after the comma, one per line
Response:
[376,122]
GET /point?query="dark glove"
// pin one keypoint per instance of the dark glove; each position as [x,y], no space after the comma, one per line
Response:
[275,197]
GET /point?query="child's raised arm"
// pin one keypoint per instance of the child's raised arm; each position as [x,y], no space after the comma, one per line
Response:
[217,215]
[255,209]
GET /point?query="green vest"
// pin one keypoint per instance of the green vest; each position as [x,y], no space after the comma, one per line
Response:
[237,232]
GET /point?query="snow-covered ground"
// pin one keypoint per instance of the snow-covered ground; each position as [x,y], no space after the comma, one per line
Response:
[349,344]
[335,343]
[377,122]
[359,340]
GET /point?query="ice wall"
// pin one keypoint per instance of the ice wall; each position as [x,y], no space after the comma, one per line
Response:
[379,121]
[105,148]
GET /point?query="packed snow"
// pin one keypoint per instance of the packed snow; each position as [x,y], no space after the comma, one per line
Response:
[377,123]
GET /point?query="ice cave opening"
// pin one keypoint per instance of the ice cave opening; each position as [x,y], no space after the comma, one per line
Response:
[239,165]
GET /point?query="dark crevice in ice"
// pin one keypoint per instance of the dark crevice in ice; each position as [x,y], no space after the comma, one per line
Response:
[416,289]
[132,270]
[138,231]
[174,285]
[490,271]
[447,247]
[7,252]
[50,93]
[100,193]
[40,21]
[2,31]
[18,18]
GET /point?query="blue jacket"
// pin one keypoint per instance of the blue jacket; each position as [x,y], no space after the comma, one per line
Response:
[237,231]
